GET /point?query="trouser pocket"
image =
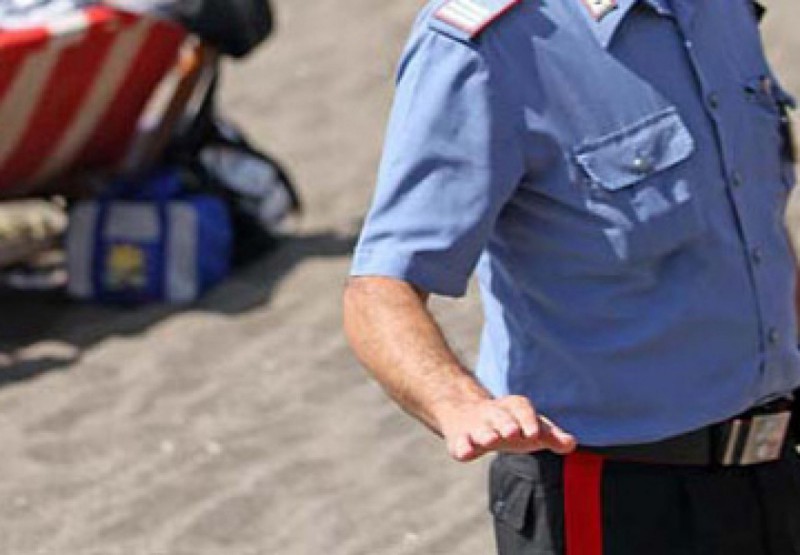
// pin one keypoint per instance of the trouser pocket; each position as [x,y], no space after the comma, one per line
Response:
[526,501]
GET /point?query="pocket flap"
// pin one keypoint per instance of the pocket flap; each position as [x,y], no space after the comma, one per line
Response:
[512,502]
[625,157]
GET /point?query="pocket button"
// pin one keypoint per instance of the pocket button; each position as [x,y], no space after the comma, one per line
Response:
[643,165]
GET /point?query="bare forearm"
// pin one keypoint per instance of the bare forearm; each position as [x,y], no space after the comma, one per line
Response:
[396,338]
[399,342]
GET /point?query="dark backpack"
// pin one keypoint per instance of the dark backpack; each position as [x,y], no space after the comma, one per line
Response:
[235,27]
[253,210]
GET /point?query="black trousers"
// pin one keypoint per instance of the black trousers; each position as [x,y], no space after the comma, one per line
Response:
[544,504]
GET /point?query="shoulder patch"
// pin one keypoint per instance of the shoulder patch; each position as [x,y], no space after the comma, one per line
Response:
[473,16]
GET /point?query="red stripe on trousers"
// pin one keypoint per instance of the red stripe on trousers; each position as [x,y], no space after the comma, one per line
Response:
[583,513]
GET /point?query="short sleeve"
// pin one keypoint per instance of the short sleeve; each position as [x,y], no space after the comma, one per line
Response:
[451,160]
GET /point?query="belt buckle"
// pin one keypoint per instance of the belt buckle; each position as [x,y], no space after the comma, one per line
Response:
[757,439]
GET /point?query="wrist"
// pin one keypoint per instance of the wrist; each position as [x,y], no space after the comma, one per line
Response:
[463,392]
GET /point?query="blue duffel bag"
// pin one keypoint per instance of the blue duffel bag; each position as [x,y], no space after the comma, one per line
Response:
[148,240]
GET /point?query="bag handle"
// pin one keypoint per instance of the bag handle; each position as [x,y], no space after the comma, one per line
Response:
[159,186]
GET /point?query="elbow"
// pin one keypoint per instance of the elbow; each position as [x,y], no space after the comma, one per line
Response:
[366,298]
[361,309]
[352,296]
[360,292]
[353,303]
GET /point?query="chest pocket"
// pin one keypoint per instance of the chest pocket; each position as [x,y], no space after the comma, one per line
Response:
[634,186]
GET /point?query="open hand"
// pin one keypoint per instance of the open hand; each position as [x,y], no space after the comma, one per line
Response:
[508,424]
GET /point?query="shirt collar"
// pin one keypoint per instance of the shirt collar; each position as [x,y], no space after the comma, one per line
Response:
[606,27]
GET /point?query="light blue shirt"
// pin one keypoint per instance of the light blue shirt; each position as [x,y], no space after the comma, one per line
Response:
[619,185]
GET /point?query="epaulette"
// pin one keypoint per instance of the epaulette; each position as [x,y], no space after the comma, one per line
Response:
[471,17]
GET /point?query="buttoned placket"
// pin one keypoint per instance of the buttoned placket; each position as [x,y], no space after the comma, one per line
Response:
[719,109]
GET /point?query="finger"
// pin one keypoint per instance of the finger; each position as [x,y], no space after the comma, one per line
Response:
[485,436]
[462,449]
[556,439]
[504,423]
[523,412]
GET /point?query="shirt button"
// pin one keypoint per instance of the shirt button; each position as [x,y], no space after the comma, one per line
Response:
[757,254]
[736,180]
[713,100]
[642,164]
[773,336]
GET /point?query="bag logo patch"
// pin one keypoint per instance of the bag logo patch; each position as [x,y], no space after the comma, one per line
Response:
[126,267]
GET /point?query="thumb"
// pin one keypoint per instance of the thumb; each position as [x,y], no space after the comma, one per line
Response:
[556,439]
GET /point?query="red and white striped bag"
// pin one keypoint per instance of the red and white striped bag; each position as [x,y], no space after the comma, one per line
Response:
[72,93]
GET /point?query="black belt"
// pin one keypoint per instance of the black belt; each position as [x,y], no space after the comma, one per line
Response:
[757,436]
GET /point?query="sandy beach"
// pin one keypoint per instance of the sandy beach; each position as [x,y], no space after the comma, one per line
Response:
[241,425]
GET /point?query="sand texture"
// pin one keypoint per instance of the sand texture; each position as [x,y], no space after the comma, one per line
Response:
[241,425]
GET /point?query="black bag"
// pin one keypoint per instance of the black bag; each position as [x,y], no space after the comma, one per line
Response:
[235,27]
[259,191]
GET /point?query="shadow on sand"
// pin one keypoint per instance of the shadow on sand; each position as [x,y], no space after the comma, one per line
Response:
[62,329]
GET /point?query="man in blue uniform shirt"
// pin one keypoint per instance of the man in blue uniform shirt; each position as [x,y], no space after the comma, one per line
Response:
[616,172]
